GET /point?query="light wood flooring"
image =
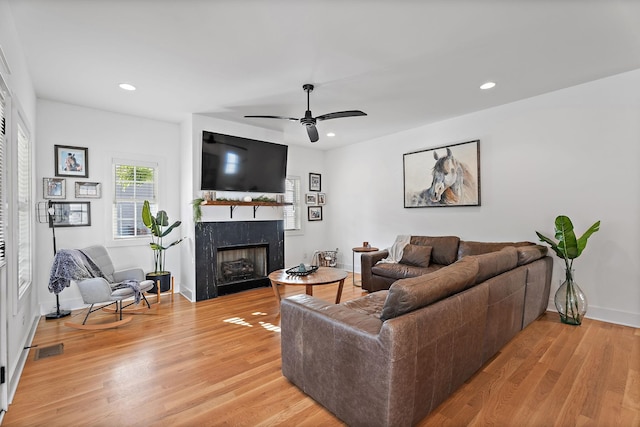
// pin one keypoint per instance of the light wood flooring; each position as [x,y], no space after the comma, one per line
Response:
[217,362]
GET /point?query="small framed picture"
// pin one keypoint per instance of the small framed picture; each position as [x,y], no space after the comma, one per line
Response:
[72,161]
[315,213]
[312,199]
[322,198]
[54,188]
[315,182]
[88,190]
[71,214]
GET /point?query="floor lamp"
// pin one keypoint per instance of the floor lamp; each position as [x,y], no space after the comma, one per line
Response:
[58,313]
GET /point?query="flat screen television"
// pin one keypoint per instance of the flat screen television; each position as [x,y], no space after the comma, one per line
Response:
[232,163]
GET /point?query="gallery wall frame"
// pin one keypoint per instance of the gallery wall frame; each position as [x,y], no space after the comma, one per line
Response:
[71,161]
[54,188]
[314,213]
[88,190]
[322,199]
[444,176]
[315,182]
[71,214]
[311,198]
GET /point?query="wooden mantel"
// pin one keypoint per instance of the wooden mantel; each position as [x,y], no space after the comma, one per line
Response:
[235,203]
[242,203]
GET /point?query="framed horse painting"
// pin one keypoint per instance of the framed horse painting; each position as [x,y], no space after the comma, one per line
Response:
[443,176]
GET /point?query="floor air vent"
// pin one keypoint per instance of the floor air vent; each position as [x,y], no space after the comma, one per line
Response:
[52,350]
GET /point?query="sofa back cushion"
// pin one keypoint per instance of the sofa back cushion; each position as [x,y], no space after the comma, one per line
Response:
[467,247]
[407,295]
[494,263]
[416,255]
[445,248]
[528,254]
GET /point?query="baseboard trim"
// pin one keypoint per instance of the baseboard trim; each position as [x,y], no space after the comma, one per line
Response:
[15,377]
[607,315]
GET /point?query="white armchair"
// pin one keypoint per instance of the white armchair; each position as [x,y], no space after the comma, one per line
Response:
[110,289]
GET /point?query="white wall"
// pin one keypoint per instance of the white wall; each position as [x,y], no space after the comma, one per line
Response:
[106,135]
[573,152]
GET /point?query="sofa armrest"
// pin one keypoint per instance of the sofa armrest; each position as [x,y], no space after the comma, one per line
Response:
[367,261]
[348,318]
[129,274]
[333,353]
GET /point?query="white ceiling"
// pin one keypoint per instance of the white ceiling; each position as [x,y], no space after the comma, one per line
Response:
[405,63]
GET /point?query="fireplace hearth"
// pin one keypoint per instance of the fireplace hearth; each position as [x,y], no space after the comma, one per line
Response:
[236,255]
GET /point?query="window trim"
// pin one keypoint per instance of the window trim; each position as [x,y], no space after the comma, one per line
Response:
[299,206]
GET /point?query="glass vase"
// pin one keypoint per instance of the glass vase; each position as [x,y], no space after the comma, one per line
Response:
[570,301]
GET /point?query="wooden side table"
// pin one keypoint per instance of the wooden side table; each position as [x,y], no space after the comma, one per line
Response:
[358,249]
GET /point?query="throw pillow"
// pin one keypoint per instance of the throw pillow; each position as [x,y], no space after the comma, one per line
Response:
[419,256]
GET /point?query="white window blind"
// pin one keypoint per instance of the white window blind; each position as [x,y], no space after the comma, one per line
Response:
[292,219]
[3,139]
[133,184]
[24,211]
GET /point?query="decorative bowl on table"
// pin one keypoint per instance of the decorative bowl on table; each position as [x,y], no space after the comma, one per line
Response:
[302,270]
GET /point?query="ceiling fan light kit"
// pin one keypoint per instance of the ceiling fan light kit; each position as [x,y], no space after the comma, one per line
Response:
[309,121]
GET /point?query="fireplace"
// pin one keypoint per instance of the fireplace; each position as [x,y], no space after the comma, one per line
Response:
[234,256]
[238,263]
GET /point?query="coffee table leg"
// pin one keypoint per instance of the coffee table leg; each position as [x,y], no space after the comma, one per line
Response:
[309,290]
[276,292]
[339,295]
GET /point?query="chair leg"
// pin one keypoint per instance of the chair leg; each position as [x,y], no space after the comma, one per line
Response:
[91,310]
[88,313]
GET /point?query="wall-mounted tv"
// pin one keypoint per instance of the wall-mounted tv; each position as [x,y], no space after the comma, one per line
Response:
[232,163]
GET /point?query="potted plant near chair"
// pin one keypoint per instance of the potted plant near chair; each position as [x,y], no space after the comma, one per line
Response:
[160,228]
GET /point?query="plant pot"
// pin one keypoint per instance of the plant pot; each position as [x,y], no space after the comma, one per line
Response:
[165,281]
[570,301]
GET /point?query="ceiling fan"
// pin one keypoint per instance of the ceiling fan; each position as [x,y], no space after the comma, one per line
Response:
[309,121]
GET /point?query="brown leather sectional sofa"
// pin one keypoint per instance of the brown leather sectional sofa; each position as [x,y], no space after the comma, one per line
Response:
[392,356]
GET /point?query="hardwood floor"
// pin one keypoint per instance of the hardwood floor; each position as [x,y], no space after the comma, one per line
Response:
[217,362]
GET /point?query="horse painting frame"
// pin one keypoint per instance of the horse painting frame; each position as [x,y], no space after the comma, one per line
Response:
[443,176]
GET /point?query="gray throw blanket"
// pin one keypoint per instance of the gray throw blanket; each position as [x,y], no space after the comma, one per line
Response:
[133,284]
[68,265]
[73,264]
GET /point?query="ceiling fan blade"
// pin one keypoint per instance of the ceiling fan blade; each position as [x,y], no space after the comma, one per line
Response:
[339,114]
[313,132]
[273,117]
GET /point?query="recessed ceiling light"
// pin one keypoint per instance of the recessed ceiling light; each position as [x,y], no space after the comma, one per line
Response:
[488,85]
[331,134]
[127,86]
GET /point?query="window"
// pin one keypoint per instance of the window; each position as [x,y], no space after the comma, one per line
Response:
[133,183]
[24,208]
[292,220]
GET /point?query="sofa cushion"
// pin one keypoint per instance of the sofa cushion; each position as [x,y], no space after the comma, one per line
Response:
[370,304]
[445,248]
[411,294]
[467,247]
[493,263]
[402,271]
[416,255]
[528,254]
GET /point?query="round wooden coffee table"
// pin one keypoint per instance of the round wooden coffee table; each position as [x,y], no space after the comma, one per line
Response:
[324,276]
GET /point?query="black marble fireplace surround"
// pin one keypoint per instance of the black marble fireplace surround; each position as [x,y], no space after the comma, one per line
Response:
[213,235]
